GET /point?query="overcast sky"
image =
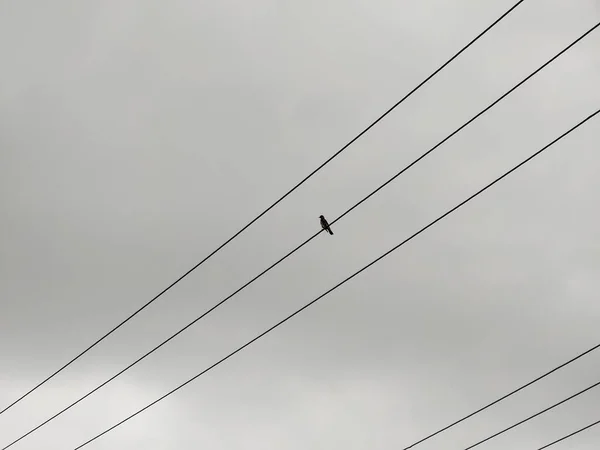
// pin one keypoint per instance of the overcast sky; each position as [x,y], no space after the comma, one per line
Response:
[138,135]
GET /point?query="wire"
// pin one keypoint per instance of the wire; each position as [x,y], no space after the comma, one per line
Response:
[504,397]
[564,438]
[533,416]
[303,243]
[331,158]
[278,324]
[476,116]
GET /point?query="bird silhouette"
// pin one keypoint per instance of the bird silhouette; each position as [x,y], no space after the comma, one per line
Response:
[325,225]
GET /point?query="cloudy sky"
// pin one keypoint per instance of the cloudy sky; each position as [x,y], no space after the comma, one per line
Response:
[138,135]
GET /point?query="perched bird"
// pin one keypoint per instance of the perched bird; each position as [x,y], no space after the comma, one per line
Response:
[325,225]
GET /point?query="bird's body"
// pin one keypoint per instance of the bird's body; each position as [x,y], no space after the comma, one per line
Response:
[325,224]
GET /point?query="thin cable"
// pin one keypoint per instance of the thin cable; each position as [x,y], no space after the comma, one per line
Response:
[278,324]
[303,243]
[331,158]
[570,435]
[533,416]
[504,397]
[576,41]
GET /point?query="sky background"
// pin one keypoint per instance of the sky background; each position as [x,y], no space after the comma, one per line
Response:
[138,135]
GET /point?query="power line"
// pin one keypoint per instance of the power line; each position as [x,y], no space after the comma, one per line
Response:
[475,117]
[504,397]
[239,349]
[564,438]
[533,416]
[307,240]
[331,158]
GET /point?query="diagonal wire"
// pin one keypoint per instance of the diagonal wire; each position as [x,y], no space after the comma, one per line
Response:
[533,416]
[278,324]
[305,242]
[564,438]
[475,117]
[504,397]
[358,136]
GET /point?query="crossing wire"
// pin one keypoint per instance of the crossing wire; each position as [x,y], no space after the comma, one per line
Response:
[331,158]
[305,242]
[278,324]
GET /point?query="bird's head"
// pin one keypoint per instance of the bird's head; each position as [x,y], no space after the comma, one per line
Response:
[321,216]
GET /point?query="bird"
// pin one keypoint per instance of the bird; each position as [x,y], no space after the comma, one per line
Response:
[325,224]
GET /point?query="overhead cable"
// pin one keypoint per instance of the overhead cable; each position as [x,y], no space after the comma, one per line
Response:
[306,241]
[568,436]
[521,422]
[278,324]
[336,154]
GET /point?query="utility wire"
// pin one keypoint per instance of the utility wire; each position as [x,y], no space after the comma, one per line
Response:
[331,158]
[303,243]
[533,416]
[564,438]
[504,397]
[239,349]
[475,117]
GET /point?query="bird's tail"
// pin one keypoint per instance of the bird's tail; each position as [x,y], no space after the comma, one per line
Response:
[330,232]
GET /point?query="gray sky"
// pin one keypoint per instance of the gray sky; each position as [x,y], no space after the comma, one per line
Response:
[136,136]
